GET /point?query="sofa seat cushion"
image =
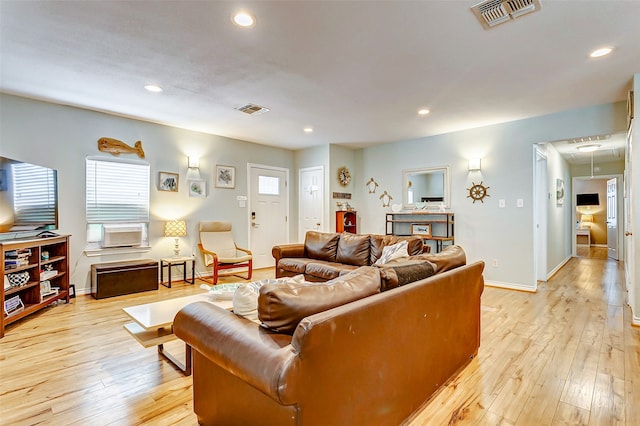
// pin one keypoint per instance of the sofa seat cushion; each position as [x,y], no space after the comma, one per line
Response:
[297,265]
[321,245]
[399,272]
[326,270]
[353,249]
[282,306]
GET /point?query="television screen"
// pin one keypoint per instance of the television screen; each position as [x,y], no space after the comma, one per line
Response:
[28,197]
[587,199]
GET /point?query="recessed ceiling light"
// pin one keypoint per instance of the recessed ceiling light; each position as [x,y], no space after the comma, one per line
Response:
[589,148]
[423,111]
[244,19]
[600,52]
[153,88]
[308,129]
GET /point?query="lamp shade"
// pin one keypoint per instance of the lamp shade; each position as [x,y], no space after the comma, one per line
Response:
[586,218]
[175,228]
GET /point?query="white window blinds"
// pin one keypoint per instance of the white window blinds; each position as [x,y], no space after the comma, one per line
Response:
[35,194]
[117,190]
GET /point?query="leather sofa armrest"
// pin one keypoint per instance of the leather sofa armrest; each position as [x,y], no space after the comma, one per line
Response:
[287,250]
[260,357]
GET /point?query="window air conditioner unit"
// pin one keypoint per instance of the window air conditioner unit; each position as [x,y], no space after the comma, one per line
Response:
[121,235]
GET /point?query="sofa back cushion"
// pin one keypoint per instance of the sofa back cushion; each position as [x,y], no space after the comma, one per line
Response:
[353,249]
[378,242]
[450,257]
[321,245]
[282,306]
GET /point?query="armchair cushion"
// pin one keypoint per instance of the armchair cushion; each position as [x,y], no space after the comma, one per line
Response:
[282,306]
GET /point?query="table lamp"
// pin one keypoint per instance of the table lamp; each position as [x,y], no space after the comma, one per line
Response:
[586,218]
[175,228]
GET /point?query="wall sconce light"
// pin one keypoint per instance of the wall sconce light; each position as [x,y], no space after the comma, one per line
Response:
[175,228]
[194,162]
[474,164]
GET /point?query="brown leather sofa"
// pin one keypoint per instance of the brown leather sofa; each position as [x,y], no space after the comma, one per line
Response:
[325,255]
[372,361]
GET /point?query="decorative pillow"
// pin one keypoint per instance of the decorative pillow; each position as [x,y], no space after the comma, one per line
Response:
[394,251]
[282,307]
[245,298]
[400,272]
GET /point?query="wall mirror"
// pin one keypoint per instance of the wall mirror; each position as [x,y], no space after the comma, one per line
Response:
[429,185]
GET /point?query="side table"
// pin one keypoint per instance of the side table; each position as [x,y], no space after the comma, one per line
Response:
[168,262]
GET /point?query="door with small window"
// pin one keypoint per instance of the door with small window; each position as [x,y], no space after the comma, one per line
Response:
[268,212]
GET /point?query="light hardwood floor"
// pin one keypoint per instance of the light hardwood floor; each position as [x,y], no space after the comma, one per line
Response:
[564,355]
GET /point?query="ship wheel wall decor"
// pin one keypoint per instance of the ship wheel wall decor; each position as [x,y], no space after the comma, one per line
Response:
[477,192]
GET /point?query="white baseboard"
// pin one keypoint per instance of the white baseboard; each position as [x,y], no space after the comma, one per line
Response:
[509,286]
[557,268]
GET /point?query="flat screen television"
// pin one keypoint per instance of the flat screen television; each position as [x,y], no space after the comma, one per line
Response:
[28,198]
[587,199]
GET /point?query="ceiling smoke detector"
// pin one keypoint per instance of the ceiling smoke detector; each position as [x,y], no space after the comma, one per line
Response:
[494,12]
[252,109]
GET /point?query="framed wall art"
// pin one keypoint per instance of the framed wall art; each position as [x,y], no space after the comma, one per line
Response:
[168,182]
[197,188]
[225,176]
[423,229]
[559,192]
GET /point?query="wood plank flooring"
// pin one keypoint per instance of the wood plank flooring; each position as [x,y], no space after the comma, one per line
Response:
[566,355]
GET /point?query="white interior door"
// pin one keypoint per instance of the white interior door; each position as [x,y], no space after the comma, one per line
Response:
[268,212]
[310,200]
[612,218]
[629,250]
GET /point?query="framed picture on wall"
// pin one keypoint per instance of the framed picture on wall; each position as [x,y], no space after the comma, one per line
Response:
[559,192]
[197,188]
[168,182]
[225,176]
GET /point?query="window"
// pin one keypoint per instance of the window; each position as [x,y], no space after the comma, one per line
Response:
[36,195]
[268,185]
[117,192]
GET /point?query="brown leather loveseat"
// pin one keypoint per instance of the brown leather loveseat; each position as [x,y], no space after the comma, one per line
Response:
[325,255]
[371,361]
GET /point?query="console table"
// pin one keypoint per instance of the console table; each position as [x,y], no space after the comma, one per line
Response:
[431,226]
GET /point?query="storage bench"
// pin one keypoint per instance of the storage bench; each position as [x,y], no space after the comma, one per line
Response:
[118,278]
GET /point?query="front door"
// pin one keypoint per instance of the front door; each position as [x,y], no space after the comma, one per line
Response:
[268,212]
[612,218]
[310,201]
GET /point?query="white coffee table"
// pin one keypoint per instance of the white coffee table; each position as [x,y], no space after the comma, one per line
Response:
[153,324]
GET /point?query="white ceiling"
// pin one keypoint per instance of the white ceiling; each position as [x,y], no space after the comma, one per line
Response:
[356,72]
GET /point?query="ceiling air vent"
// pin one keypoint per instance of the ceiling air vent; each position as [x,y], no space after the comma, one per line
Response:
[252,109]
[493,12]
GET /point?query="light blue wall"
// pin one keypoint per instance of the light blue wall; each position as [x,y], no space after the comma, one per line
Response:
[486,231]
[61,137]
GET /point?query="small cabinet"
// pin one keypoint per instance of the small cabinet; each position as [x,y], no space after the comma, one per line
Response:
[435,227]
[35,274]
[346,221]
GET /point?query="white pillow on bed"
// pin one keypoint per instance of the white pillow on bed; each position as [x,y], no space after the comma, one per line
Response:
[391,252]
[245,298]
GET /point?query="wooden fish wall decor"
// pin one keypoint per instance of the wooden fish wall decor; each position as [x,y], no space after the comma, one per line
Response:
[116,147]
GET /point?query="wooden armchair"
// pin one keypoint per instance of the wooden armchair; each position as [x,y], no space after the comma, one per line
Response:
[220,251]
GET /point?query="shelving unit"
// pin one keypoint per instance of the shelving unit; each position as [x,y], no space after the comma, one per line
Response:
[56,251]
[347,221]
[441,226]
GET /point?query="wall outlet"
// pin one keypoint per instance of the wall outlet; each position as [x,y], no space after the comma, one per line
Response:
[494,263]
[502,204]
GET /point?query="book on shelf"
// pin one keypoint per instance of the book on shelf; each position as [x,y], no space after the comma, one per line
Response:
[16,254]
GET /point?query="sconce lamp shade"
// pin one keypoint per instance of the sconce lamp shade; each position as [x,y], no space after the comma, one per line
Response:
[474,164]
[194,162]
[175,228]
[586,218]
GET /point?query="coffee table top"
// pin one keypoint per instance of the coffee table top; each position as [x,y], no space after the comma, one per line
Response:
[161,314]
